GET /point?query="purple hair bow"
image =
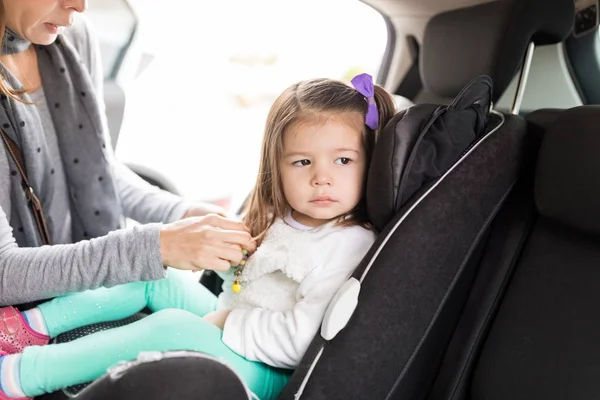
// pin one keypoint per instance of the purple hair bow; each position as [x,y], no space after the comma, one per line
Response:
[363,83]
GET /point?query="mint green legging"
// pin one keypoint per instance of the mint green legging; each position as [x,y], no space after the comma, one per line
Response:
[176,324]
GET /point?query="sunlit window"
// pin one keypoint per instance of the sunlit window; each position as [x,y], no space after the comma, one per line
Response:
[120,17]
[197,113]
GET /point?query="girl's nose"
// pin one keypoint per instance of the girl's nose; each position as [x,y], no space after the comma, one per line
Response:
[321,178]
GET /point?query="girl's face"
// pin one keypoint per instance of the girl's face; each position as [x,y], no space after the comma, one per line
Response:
[41,21]
[323,167]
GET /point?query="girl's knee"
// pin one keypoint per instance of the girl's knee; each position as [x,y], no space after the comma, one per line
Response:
[181,322]
[180,329]
[173,317]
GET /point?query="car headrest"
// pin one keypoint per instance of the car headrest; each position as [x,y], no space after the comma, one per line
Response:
[419,144]
[567,176]
[488,39]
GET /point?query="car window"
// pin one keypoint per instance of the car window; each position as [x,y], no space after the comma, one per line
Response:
[549,83]
[197,112]
[115,22]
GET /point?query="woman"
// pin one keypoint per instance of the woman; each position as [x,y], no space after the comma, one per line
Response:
[55,149]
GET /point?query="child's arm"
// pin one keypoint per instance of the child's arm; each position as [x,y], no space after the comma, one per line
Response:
[280,339]
[217,318]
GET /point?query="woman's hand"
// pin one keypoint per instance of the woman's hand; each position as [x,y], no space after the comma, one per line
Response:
[210,242]
[202,209]
[217,318]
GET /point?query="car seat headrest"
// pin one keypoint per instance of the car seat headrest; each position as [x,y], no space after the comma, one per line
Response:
[419,144]
[488,39]
[567,176]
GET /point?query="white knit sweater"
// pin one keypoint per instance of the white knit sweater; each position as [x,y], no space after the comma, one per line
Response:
[286,288]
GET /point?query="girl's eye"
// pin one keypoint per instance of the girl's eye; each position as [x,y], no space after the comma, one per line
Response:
[302,163]
[342,161]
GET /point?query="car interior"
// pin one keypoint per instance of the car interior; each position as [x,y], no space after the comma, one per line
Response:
[481,282]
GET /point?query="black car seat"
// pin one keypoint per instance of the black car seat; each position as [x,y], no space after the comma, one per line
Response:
[529,330]
[415,149]
[507,237]
[415,280]
[419,147]
[169,375]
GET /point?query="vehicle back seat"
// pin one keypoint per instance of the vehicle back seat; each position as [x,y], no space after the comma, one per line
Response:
[490,39]
[538,338]
[415,280]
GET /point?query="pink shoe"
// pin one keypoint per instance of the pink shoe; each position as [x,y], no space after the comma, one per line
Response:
[3,396]
[15,334]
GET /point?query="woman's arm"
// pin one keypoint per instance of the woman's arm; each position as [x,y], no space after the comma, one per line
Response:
[28,274]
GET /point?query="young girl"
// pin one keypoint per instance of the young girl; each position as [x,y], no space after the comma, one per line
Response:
[308,214]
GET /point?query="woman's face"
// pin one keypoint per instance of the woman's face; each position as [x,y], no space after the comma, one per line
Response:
[41,21]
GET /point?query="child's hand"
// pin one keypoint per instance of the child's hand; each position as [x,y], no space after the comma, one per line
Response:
[217,318]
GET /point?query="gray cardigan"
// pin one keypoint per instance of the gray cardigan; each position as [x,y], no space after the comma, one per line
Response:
[127,255]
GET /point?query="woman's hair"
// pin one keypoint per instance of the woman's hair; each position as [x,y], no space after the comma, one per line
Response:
[306,98]
[4,88]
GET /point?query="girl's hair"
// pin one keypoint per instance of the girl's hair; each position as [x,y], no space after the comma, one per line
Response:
[307,98]
[5,90]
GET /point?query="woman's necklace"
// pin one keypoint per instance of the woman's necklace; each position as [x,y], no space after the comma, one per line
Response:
[237,272]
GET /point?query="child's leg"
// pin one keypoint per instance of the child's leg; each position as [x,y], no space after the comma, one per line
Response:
[110,304]
[48,368]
